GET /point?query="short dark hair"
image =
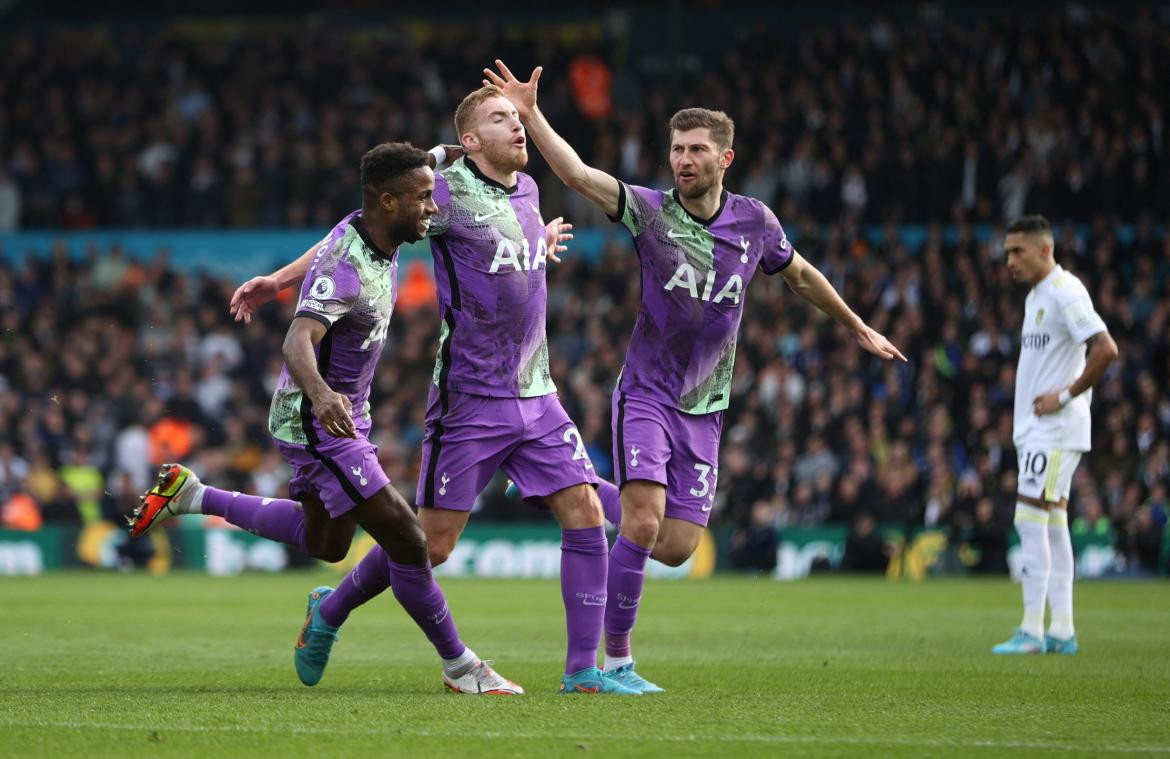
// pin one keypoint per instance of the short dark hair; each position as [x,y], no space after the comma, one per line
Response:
[1035,224]
[384,166]
[717,123]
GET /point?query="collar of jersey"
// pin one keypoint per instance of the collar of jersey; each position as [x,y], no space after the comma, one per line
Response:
[488,180]
[704,222]
[364,233]
[1047,276]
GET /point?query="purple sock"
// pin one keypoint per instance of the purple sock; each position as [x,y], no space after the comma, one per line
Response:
[277,519]
[583,568]
[370,577]
[611,501]
[627,571]
[416,589]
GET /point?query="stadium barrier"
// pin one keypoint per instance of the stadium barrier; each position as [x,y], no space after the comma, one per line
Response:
[521,550]
[242,253]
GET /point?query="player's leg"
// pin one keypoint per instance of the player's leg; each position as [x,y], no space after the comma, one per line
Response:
[303,525]
[643,507]
[1061,637]
[371,575]
[1031,522]
[551,465]
[641,452]
[464,441]
[611,501]
[680,453]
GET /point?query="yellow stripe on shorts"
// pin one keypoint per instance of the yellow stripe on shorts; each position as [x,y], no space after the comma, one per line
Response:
[1053,475]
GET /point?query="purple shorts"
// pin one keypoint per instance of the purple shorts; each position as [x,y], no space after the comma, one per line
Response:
[469,437]
[659,443]
[342,472]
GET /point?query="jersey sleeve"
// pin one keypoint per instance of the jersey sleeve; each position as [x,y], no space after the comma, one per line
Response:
[441,221]
[332,285]
[777,251]
[1080,318]
[636,206]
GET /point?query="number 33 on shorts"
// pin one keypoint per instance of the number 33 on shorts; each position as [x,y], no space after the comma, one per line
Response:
[705,475]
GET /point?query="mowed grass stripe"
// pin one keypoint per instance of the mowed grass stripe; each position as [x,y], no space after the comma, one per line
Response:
[97,664]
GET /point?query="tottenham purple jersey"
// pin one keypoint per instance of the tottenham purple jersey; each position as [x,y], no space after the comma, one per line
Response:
[350,287]
[694,273]
[490,253]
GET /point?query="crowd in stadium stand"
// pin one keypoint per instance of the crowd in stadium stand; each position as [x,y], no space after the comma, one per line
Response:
[1062,114]
[108,366]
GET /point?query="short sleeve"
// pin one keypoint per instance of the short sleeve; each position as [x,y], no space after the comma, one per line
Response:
[777,251]
[332,285]
[441,221]
[1080,318]
[636,205]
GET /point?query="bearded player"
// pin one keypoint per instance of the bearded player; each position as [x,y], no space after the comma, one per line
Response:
[699,247]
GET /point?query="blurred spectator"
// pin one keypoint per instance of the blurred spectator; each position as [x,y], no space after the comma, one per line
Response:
[10,201]
[754,547]
[987,540]
[865,549]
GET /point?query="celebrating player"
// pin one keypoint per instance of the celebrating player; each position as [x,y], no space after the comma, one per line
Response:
[320,420]
[699,247]
[493,405]
[1054,381]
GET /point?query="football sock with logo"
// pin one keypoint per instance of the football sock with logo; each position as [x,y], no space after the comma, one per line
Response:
[1032,526]
[627,569]
[415,588]
[277,519]
[584,560]
[366,580]
[611,502]
[1060,577]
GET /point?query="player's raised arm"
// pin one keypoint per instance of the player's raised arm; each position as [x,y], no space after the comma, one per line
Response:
[257,291]
[596,185]
[807,282]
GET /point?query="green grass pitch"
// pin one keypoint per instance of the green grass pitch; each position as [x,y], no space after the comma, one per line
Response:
[184,664]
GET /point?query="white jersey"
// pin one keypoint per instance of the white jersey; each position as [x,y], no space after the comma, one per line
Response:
[1058,319]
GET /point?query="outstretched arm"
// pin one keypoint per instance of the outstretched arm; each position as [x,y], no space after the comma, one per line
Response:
[595,185]
[810,284]
[257,291]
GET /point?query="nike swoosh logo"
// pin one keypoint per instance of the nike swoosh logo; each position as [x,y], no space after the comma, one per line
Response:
[682,236]
[707,507]
[482,216]
[622,605]
[592,603]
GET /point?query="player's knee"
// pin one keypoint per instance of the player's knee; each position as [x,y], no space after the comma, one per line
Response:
[325,550]
[672,555]
[438,553]
[577,506]
[640,527]
[331,554]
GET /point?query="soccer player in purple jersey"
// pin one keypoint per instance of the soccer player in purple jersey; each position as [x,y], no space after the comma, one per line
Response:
[320,421]
[699,247]
[493,405]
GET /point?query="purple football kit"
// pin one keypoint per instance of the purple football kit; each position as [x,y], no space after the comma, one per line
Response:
[492,404]
[350,287]
[669,401]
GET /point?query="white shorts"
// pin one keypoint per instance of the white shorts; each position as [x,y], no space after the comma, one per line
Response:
[1046,473]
